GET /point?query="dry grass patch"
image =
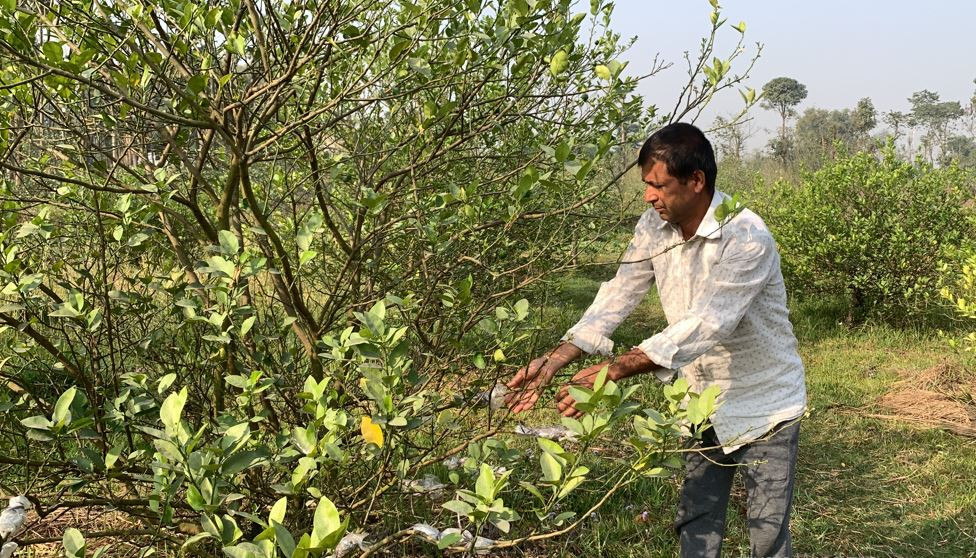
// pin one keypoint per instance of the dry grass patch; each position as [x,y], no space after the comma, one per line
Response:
[943,396]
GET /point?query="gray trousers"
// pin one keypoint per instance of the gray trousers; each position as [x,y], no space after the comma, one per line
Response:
[768,467]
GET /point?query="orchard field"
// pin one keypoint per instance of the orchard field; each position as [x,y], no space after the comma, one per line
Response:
[263,264]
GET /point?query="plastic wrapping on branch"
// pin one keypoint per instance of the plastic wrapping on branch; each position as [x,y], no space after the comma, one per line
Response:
[358,541]
[494,398]
[429,485]
[12,519]
[556,433]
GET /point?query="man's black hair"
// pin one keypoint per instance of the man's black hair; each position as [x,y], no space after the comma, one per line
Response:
[683,149]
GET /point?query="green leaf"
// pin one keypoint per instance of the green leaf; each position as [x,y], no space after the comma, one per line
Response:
[552,470]
[304,439]
[278,510]
[243,550]
[448,540]
[398,48]
[112,456]
[284,538]
[559,62]
[570,485]
[521,309]
[172,410]
[53,52]
[195,499]
[247,324]
[64,311]
[580,394]
[373,319]
[218,263]
[193,540]
[601,378]
[562,151]
[706,399]
[228,243]
[74,543]
[195,85]
[136,240]
[559,519]
[38,422]
[419,65]
[325,524]
[242,460]
[531,489]
[695,413]
[458,507]
[485,485]
[8,5]
[62,409]
[550,447]
[479,361]
[165,382]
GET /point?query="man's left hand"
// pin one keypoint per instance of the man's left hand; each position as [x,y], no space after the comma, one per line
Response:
[585,378]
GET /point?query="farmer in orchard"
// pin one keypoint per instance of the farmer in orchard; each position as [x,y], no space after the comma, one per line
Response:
[722,291]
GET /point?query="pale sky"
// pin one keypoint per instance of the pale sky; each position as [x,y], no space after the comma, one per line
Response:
[841,50]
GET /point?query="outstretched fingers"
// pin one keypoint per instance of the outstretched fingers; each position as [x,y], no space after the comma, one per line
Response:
[566,405]
[529,382]
[518,378]
[524,401]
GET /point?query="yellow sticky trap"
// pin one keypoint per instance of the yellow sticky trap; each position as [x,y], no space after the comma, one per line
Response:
[372,433]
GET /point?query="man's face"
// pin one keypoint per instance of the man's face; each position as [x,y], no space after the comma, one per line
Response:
[672,199]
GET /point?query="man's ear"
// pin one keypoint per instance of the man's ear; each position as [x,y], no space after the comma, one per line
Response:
[698,181]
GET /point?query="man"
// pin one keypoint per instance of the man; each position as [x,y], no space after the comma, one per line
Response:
[723,295]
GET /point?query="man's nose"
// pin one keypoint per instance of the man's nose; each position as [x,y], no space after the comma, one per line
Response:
[649,195]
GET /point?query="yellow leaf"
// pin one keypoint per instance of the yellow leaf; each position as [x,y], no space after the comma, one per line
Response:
[372,433]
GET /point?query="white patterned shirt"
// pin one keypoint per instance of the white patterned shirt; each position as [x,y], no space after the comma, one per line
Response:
[725,302]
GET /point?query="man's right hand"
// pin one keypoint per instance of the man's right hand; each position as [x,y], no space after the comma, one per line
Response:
[527,385]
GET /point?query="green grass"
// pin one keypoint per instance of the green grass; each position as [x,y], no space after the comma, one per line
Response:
[865,486]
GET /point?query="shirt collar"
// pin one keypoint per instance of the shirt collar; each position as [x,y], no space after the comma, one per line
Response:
[709,228]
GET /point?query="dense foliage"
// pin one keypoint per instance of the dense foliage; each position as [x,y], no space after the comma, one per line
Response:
[960,292]
[872,228]
[259,258]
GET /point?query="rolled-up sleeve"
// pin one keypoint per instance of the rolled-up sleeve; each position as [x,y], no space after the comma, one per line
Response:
[725,296]
[617,297]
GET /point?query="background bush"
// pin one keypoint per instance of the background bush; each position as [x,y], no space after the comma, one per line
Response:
[871,228]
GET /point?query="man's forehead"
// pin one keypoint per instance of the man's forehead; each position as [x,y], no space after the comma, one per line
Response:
[655,170]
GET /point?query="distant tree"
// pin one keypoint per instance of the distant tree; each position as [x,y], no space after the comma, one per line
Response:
[730,135]
[970,114]
[864,118]
[901,126]
[782,148]
[936,118]
[897,121]
[782,94]
[961,150]
[818,131]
